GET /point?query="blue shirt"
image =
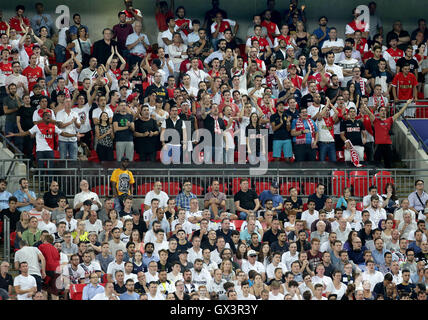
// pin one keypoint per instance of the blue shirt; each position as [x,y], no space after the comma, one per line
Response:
[268,195]
[183,201]
[127,296]
[414,246]
[4,199]
[147,260]
[20,195]
[74,29]
[139,49]
[319,33]
[89,291]
[308,135]
[378,257]
[246,236]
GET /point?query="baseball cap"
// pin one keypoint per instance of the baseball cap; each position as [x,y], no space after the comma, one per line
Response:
[292,65]
[252,253]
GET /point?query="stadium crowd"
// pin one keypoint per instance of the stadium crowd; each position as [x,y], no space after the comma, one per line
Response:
[318,96]
[270,247]
[119,95]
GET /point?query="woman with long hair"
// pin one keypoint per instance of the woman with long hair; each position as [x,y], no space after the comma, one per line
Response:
[390,199]
[136,239]
[258,286]
[349,293]
[82,45]
[137,262]
[348,243]
[241,254]
[265,254]
[104,135]
[301,35]
[114,217]
[227,270]
[387,232]
[352,93]
[253,132]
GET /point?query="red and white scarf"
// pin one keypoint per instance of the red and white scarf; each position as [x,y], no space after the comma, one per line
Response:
[362,86]
[354,155]
[217,129]
[300,126]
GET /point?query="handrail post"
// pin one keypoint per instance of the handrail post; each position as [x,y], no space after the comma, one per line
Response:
[6,238]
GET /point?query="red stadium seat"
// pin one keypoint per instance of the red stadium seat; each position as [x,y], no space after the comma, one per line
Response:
[76,291]
[12,239]
[305,206]
[103,190]
[262,186]
[359,181]
[380,180]
[197,190]
[339,182]
[285,187]
[309,187]
[340,156]
[144,188]
[172,188]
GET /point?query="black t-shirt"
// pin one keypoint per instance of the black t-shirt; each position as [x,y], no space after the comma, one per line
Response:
[331,93]
[353,130]
[35,100]
[282,133]
[146,144]
[26,114]
[172,256]
[412,62]
[138,287]
[372,65]
[308,99]
[122,121]
[270,237]
[319,202]
[204,238]
[141,227]
[247,132]
[207,245]
[185,296]
[13,216]
[160,91]
[6,282]
[246,199]
[276,247]
[164,267]
[184,247]
[51,200]
[119,289]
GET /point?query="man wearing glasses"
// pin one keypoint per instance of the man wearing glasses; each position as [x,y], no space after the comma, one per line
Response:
[92,288]
[417,200]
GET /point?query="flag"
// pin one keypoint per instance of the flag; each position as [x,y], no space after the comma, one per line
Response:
[354,155]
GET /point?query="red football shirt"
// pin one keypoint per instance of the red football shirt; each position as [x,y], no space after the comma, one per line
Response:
[180,22]
[3,27]
[32,76]
[404,85]
[6,68]
[161,20]
[262,42]
[15,24]
[381,130]
[271,29]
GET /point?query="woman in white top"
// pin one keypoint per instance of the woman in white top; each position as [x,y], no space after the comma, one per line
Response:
[113,216]
[85,44]
[387,232]
[159,114]
[336,286]
[151,103]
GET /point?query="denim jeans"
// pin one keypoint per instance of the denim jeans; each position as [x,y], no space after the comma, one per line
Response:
[11,127]
[68,150]
[327,149]
[60,53]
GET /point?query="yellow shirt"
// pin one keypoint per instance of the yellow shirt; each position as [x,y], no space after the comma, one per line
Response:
[123,179]
[82,238]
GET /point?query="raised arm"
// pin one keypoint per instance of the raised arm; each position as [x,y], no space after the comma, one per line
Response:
[399,113]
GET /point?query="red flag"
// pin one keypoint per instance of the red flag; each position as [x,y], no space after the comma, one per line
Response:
[354,155]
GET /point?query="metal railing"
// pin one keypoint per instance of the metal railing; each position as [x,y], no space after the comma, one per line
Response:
[6,238]
[7,143]
[7,167]
[421,142]
[395,107]
[172,178]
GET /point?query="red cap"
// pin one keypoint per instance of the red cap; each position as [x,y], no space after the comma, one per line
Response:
[132,97]
[292,65]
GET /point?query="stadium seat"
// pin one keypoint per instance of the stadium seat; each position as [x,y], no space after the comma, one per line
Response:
[285,187]
[198,190]
[380,179]
[262,186]
[172,188]
[339,182]
[305,206]
[360,206]
[309,187]
[102,190]
[12,239]
[359,181]
[144,188]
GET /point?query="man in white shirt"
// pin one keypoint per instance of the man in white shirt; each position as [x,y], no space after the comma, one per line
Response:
[154,293]
[86,194]
[371,274]
[342,231]
[333,44]
[93,224]
[24,284]
[367,198]
[200,275]
[68,121]
[195,252]
[245,294]
[333,68]
[276,263]
[253,264]
[310,215]
[158,194]
[137,43]
[108,293]
[290,256]
[377,213]
[196,75]
[102,107]
[117,264]
[347,64]
[46,224]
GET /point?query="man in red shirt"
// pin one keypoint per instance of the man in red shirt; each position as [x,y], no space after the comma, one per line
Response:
[162,13]
[382,132]
[263,43]
[19,19]
[32,72]
[404,87]
[5,64]
[132,14]
[271,27]
[4,26]
[52,258]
